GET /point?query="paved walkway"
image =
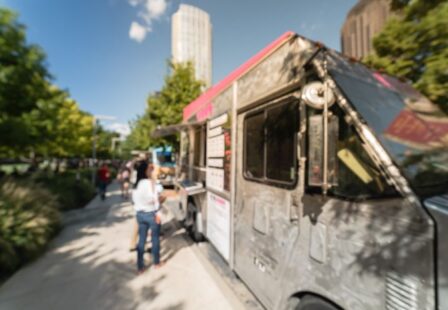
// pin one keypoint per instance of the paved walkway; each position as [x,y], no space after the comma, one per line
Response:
[88,266]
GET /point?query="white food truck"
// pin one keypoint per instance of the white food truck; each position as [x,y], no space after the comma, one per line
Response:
[322,183]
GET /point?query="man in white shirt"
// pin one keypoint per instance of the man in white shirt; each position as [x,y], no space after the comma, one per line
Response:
[146,204]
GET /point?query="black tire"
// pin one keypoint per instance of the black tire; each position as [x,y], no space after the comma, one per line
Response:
[310,303]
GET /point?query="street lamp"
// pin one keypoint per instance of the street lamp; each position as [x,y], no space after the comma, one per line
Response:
[95,122]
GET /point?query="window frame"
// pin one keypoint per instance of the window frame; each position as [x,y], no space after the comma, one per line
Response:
[200,152]
[317,190]
[264,180]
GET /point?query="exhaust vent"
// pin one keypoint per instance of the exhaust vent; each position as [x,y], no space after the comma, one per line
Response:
[401,292]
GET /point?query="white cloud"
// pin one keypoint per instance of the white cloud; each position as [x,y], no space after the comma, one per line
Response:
[123,129]
[149,10]
[138,32]
[134,2]
[156,8]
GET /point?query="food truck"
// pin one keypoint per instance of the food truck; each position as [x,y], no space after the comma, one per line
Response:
[322,183]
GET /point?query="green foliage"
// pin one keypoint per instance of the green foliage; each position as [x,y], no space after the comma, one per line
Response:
[70,193]
[28,219]
[165,108]
[396,5]
[23,80]
[139,138]
[23,72]
[414,9]
[59,127]
[104,142]
[414,46]
[30,212]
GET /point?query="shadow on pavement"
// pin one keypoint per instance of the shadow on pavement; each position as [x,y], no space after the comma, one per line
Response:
[174,239]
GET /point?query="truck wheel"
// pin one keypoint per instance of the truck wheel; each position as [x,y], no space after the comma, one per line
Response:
[309,303]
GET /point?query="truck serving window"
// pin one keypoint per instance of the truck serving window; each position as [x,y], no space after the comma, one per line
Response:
[270,144]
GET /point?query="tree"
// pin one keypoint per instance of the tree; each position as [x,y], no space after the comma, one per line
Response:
[415,9]
[23,81]
[165,107]
[139,138]
[59,127]
[104,142]
[414,46]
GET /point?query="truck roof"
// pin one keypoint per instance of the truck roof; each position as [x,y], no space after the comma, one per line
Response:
[208,96]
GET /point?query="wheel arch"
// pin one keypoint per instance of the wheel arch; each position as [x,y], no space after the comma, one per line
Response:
[300,295]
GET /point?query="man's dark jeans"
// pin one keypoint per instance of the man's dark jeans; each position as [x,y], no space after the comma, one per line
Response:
[103,188]
[146,221]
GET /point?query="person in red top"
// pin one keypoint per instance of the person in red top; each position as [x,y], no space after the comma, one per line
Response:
[103,180]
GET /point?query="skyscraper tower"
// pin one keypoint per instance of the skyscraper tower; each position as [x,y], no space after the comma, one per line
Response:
[191,40]
[365,20]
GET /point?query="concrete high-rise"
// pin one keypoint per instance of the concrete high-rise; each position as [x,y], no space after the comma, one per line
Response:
[363,22]
[191,40]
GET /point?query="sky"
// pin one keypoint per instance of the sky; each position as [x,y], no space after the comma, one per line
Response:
[110,54]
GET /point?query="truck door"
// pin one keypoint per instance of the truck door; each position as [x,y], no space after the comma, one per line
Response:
[266,183]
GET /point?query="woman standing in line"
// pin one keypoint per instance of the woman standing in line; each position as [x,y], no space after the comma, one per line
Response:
[146,204]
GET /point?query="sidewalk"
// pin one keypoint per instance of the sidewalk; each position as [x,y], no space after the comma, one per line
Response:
[88,266]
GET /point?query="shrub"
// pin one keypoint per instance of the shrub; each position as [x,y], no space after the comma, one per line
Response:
[28,219]
[70,192]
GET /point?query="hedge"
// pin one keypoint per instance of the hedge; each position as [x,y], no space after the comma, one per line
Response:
[70,192]
[30,211]
[29,218]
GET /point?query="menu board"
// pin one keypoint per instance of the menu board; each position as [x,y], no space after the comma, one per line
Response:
[219,153]
[218,223]
[216,146]
[215,178]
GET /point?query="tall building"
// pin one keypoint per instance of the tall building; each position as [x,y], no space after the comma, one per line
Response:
[363,22]
[191,40]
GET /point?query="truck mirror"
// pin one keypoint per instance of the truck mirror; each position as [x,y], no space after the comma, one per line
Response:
[316,151]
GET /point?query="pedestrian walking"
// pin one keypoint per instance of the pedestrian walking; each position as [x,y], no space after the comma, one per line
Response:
[146,204]
[124,177]
[103,179]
